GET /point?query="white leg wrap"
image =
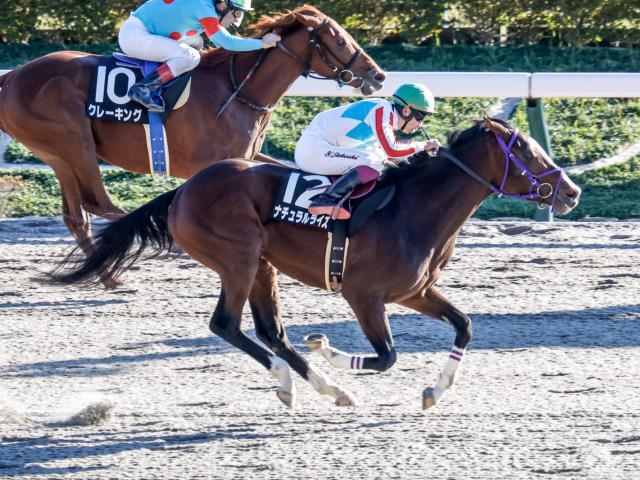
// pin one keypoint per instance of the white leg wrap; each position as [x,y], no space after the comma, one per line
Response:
[341,359]
[448,374]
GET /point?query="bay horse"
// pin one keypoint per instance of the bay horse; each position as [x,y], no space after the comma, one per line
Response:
[221,218]
[42,105]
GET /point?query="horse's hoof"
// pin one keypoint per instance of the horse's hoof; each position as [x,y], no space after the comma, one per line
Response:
[428,398]
[288,398]
[346,400]
[316,341]
[110,283]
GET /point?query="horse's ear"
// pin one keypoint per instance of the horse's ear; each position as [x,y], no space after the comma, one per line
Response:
[308,20]
[495,127]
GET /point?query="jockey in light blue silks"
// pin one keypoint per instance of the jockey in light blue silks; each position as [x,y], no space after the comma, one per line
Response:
[170,31]
[358,141]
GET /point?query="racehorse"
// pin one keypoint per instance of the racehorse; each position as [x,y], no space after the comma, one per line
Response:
[42,105]
[221,218]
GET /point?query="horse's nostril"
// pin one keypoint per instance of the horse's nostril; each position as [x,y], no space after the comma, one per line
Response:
[572,193]
[380,77]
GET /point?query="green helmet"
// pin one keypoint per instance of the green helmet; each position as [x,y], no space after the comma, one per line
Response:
[415,96]
[244,5]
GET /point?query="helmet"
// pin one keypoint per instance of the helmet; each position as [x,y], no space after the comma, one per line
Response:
[415,96]
[244,5]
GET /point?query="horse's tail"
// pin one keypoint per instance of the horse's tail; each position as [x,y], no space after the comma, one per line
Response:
[114,250]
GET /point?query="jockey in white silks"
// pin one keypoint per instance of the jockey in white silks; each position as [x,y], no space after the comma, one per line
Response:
[170,31]
[358,141]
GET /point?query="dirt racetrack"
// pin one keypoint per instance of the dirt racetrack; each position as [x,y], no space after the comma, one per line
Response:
[550,387]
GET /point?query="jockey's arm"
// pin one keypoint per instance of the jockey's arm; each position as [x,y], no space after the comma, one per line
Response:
[221,37]
[393,148]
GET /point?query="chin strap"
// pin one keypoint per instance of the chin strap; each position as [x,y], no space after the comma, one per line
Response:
[406,119]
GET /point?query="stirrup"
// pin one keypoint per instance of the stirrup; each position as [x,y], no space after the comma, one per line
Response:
[336,212]
[150,105]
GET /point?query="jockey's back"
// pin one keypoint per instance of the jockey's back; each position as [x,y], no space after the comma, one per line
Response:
[368,124]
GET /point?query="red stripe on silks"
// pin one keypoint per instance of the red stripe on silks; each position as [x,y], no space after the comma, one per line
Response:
[166,75]
[455,358]
[211,25]
[388,149]
[175,36]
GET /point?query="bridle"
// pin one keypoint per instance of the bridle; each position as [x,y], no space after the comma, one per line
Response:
[537,189]
[343,75]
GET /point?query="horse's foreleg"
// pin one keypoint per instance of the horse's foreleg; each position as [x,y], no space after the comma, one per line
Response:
[434,304]
[374,323]
[265,307]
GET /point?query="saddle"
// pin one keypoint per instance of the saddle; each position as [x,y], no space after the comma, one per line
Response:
[112,79]
[108,101]
[298,188]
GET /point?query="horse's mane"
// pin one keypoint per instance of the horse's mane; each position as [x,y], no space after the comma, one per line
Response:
[422,162]
[282,24]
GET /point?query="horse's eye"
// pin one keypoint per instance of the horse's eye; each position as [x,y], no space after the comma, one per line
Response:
[342,42]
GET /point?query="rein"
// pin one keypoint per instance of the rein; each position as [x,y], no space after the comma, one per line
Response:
[343,75]
[510,157]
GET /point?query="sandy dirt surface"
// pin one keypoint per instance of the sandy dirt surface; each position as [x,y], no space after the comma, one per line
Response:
[549,387]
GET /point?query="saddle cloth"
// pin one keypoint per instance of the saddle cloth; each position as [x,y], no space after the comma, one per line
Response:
[298,189]
[112,79]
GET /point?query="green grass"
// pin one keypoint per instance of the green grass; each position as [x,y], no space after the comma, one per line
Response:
[423,58]
[39,193]
[582,130]
[609,192]
[466,58]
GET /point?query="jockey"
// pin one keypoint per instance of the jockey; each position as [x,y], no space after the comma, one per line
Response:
[170,31]
[358,140]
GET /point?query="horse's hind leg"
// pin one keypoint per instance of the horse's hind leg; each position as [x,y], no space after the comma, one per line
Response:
[373,320]
[54,126]
[77,151]
[226,321]
[74,216]
[434,304]
[265,307]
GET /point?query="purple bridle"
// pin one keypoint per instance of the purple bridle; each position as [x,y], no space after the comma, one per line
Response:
[533,178]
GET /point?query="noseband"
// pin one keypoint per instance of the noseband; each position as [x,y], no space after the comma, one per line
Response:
[539,187]
[538,190]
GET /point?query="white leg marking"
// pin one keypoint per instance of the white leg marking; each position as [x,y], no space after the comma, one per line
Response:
[287,390]
[324,386]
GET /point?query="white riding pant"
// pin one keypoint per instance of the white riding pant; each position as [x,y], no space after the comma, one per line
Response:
[181,56]
[315,155]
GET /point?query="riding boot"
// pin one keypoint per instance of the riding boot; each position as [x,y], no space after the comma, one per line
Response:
[145,91]
[330,201]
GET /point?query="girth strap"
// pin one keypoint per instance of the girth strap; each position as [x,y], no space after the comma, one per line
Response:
[336,255]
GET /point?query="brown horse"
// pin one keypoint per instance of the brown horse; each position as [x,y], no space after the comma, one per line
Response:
[42,104]
[221,218]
